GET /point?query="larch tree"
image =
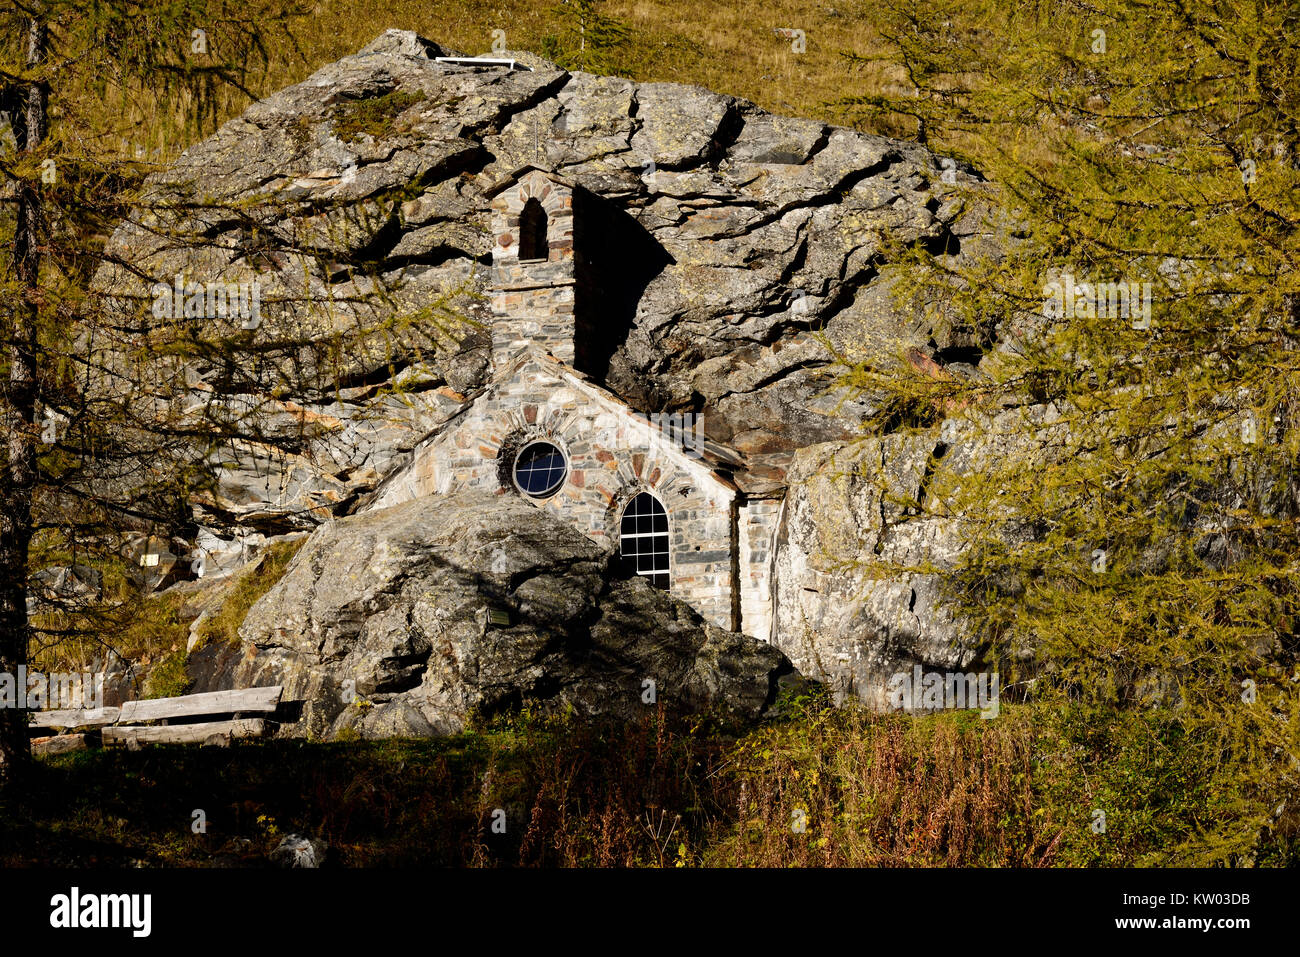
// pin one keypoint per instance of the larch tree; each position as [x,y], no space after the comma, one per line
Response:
[588,38]
[1139,552]
[110,428]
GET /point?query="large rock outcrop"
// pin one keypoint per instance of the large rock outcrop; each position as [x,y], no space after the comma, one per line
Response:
[871,536]
[731,247]
[408,620]
[727,243]
[848,608]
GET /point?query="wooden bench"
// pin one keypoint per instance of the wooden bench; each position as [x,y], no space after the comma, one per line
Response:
[249,710]
[243,704]
[68,719]
[60,724]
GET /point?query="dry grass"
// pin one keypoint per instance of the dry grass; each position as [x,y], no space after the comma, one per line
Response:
[866,790]
[152,631]
[873,790]
[251,585]
[729,48]
[734,49]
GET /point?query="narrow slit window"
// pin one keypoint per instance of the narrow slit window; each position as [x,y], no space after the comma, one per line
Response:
[532,231]
[643,539]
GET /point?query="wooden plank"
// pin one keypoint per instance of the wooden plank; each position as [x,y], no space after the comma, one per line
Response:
[207,732]
[74,718]
[58,744]
[239,701]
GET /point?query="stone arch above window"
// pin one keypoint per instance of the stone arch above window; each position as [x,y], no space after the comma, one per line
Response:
[532,231]
[532,461]
[643,538]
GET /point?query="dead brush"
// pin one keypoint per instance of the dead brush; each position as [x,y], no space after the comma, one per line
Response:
[860,789]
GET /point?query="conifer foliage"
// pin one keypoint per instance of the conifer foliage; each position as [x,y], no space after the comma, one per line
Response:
[588,38]
[1133,513]
[112,427]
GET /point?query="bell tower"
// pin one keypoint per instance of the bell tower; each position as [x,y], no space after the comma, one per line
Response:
[534,287]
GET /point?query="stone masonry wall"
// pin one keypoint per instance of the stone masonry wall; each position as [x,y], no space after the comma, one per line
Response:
[756,537]
[613,455]
[533,301]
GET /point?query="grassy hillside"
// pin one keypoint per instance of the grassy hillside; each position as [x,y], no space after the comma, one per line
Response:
[731,48]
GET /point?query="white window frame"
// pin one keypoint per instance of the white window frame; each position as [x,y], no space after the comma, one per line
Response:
[667,535]
[514,469]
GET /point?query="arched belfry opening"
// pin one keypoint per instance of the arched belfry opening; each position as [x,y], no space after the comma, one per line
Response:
[538,278]
[532,231]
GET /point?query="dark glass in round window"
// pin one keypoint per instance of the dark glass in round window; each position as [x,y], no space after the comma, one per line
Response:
[540,469]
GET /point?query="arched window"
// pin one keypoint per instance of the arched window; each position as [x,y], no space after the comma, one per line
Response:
[532,231]
[644,538]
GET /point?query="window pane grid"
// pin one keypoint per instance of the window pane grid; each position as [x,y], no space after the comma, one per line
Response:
[644,539]
[540,469]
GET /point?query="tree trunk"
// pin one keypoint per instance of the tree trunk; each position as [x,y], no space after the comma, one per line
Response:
[19,475]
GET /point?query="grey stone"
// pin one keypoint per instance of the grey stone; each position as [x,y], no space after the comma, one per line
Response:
[719,269]
[294,850]
[67,585]
[745,209]
[382,625]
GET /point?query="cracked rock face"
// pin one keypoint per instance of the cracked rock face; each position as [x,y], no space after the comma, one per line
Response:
[863,556]
[404,621]
[729,243]
[733,237]
[838,620]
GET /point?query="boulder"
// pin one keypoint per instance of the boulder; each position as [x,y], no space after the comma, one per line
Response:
[869,538]
[410,620]
[298,851]
[65,586]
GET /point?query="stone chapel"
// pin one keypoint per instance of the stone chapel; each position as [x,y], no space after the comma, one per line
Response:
[649,488]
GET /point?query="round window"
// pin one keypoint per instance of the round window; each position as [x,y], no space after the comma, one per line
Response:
[540,469]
